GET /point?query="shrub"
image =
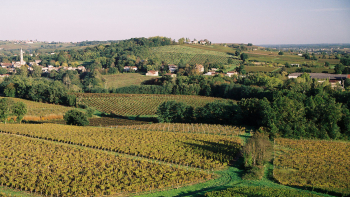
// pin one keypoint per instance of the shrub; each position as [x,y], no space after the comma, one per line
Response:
[75,117]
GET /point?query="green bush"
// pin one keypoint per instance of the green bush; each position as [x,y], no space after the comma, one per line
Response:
[76,117]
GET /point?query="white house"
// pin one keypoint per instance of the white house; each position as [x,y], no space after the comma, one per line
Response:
[231,73]
[200,68]
[152,73]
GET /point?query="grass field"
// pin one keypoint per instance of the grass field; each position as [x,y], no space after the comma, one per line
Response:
[137,104]
[125,79]
[41,111]
[273,57]
[172,54]
[322,165]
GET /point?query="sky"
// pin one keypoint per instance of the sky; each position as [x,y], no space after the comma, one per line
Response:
[220,21]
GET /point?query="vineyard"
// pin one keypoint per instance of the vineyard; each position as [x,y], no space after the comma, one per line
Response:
[137,104]
[316,164]
[174,53]
[190,128]
[194,150]
[57,170]
[103,122]
[38,109]
[259,191]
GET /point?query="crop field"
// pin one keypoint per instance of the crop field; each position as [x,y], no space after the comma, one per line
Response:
[317,164]
[313,69]
[174,53]
[125,79]
[50,169]
[37,109]
[247,191]
[259,68]
[273,57]
[190,128]
[103,122]
[213,47]
[195,150]
[137,104]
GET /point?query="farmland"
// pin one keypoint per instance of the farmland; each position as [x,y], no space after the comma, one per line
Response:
[190,128]
[42,111]
[174,53]
[324,165]
[51,169]
[125,79]
[137,104]
[200,150]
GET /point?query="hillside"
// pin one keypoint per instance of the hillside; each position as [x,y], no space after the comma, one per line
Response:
[137,104]
[42,111]
[125,79]
[172,54]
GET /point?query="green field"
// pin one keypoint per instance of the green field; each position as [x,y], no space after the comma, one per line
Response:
[172,54]
[137,104]
[125,79]
[272,57]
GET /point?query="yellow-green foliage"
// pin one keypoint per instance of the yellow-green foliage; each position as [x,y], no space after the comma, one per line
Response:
[313,163]
[137,104]
[60,170]
[38,109]
[199,150]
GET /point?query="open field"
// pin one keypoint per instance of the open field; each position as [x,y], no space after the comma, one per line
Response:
[125,79]
[259,69]
[103,122]
[319,164]
[273,57]
[137,104]
[200,150]
[57,170]
[190,128]
[172,54]
[41,111]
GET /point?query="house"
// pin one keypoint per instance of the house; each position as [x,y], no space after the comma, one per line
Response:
[6,65]
[171,75]
[81,68]
[37,62]
[202,42]
[4,75]
[127,68]
[172,67]
[152,73]
[211,73]
[295,65]
[231,73]
[334,79]
[194,41]
[200,68]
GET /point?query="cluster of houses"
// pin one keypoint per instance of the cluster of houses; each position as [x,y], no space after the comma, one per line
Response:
[200,68]
[11,67]
[334,79]
[203,42]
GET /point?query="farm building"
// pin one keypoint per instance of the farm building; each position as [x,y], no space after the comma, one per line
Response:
[172,67]
[152,73]
[334,79]
[231,73]
[127,68]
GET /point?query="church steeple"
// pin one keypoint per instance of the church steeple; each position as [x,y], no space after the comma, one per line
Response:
[22,62]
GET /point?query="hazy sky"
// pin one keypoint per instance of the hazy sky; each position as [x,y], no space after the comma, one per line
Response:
[224,21]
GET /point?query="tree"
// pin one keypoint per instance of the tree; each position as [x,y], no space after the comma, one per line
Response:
[10,90]
[257,151]
[3,71]
[280,53]
[237,53]
[181,40]
[4,109]
[244,57]
[326,64]
[172,111]
[19,109]
[76,117]
[37,71]
[338,69]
